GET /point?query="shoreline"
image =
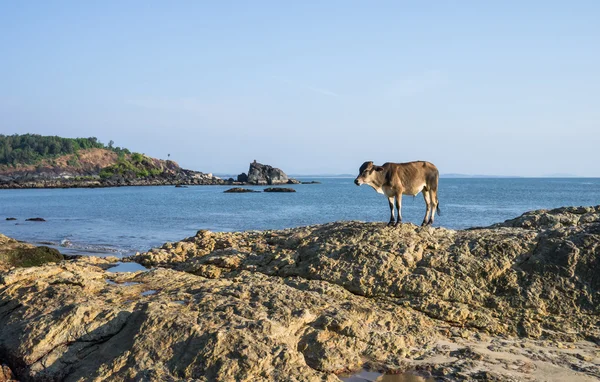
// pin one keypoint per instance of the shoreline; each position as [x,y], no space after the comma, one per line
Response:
[503,302]
[36,185]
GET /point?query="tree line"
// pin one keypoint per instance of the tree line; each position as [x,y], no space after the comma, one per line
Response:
[33,148]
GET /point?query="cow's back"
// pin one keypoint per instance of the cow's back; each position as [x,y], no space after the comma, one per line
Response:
[413,176]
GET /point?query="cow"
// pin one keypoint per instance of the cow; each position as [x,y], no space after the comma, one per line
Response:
[396,179]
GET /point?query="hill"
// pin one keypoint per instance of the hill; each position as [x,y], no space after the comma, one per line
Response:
[29,149]
[35,161]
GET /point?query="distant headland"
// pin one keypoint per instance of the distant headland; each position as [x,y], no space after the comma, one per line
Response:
[36,161]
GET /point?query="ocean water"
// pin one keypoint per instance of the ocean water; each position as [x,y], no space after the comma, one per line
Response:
[120,221]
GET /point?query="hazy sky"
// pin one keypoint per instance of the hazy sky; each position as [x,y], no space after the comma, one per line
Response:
[479,87]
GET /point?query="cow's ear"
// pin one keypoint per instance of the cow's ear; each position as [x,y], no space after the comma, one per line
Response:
[378,168]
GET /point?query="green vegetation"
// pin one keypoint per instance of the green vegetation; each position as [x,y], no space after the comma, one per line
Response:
[33,148]
[136,166]
[30,257]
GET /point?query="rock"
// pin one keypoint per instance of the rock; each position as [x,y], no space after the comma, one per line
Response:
[500,303]
[36,220]
[239,190]
[243,177]
[17,254]
[312,182]
[279,189]
[180,186]
[293,181]
[263,174]
[6,374]
[11,218]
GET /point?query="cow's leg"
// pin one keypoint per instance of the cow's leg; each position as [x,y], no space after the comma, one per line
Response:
[434,204]
[427,197]
[391,202]
[399,206]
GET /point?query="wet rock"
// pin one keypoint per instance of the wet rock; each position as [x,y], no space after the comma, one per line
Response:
[279,189]
[36,220]
[11,218]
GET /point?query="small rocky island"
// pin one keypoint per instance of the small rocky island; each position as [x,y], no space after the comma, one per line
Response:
[261,174]
[279,189]
[516,301]
[239,190]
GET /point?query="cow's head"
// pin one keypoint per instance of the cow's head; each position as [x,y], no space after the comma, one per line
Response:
[367,173]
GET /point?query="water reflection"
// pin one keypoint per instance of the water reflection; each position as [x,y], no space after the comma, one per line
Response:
[372,376]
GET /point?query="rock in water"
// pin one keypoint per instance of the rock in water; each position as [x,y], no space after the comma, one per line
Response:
[36,220]
[11,218]
[279,189]
[239,190]
[263,174]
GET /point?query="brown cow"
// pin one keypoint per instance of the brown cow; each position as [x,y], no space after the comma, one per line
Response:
[397,179]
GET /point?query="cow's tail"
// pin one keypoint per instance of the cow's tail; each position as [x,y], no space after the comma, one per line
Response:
[437,200]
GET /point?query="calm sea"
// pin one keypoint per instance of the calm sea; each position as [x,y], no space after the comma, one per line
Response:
[120,221]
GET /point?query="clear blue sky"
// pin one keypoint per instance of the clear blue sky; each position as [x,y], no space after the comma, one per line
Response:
[479,87]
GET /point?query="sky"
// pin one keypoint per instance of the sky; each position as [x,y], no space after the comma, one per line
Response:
[312,87]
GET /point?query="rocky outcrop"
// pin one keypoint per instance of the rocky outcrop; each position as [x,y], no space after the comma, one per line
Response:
[17,254]
[262,174]
[91,164]
[516,301]
[239,190]
[185,177]
[279,189]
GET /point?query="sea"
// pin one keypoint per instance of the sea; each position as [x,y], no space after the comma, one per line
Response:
[124,220]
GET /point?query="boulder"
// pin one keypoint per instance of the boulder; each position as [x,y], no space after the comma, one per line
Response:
[16,254]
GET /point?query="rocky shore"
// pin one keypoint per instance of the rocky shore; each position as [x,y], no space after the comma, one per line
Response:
[517,301]
[173,175]
[193,178]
